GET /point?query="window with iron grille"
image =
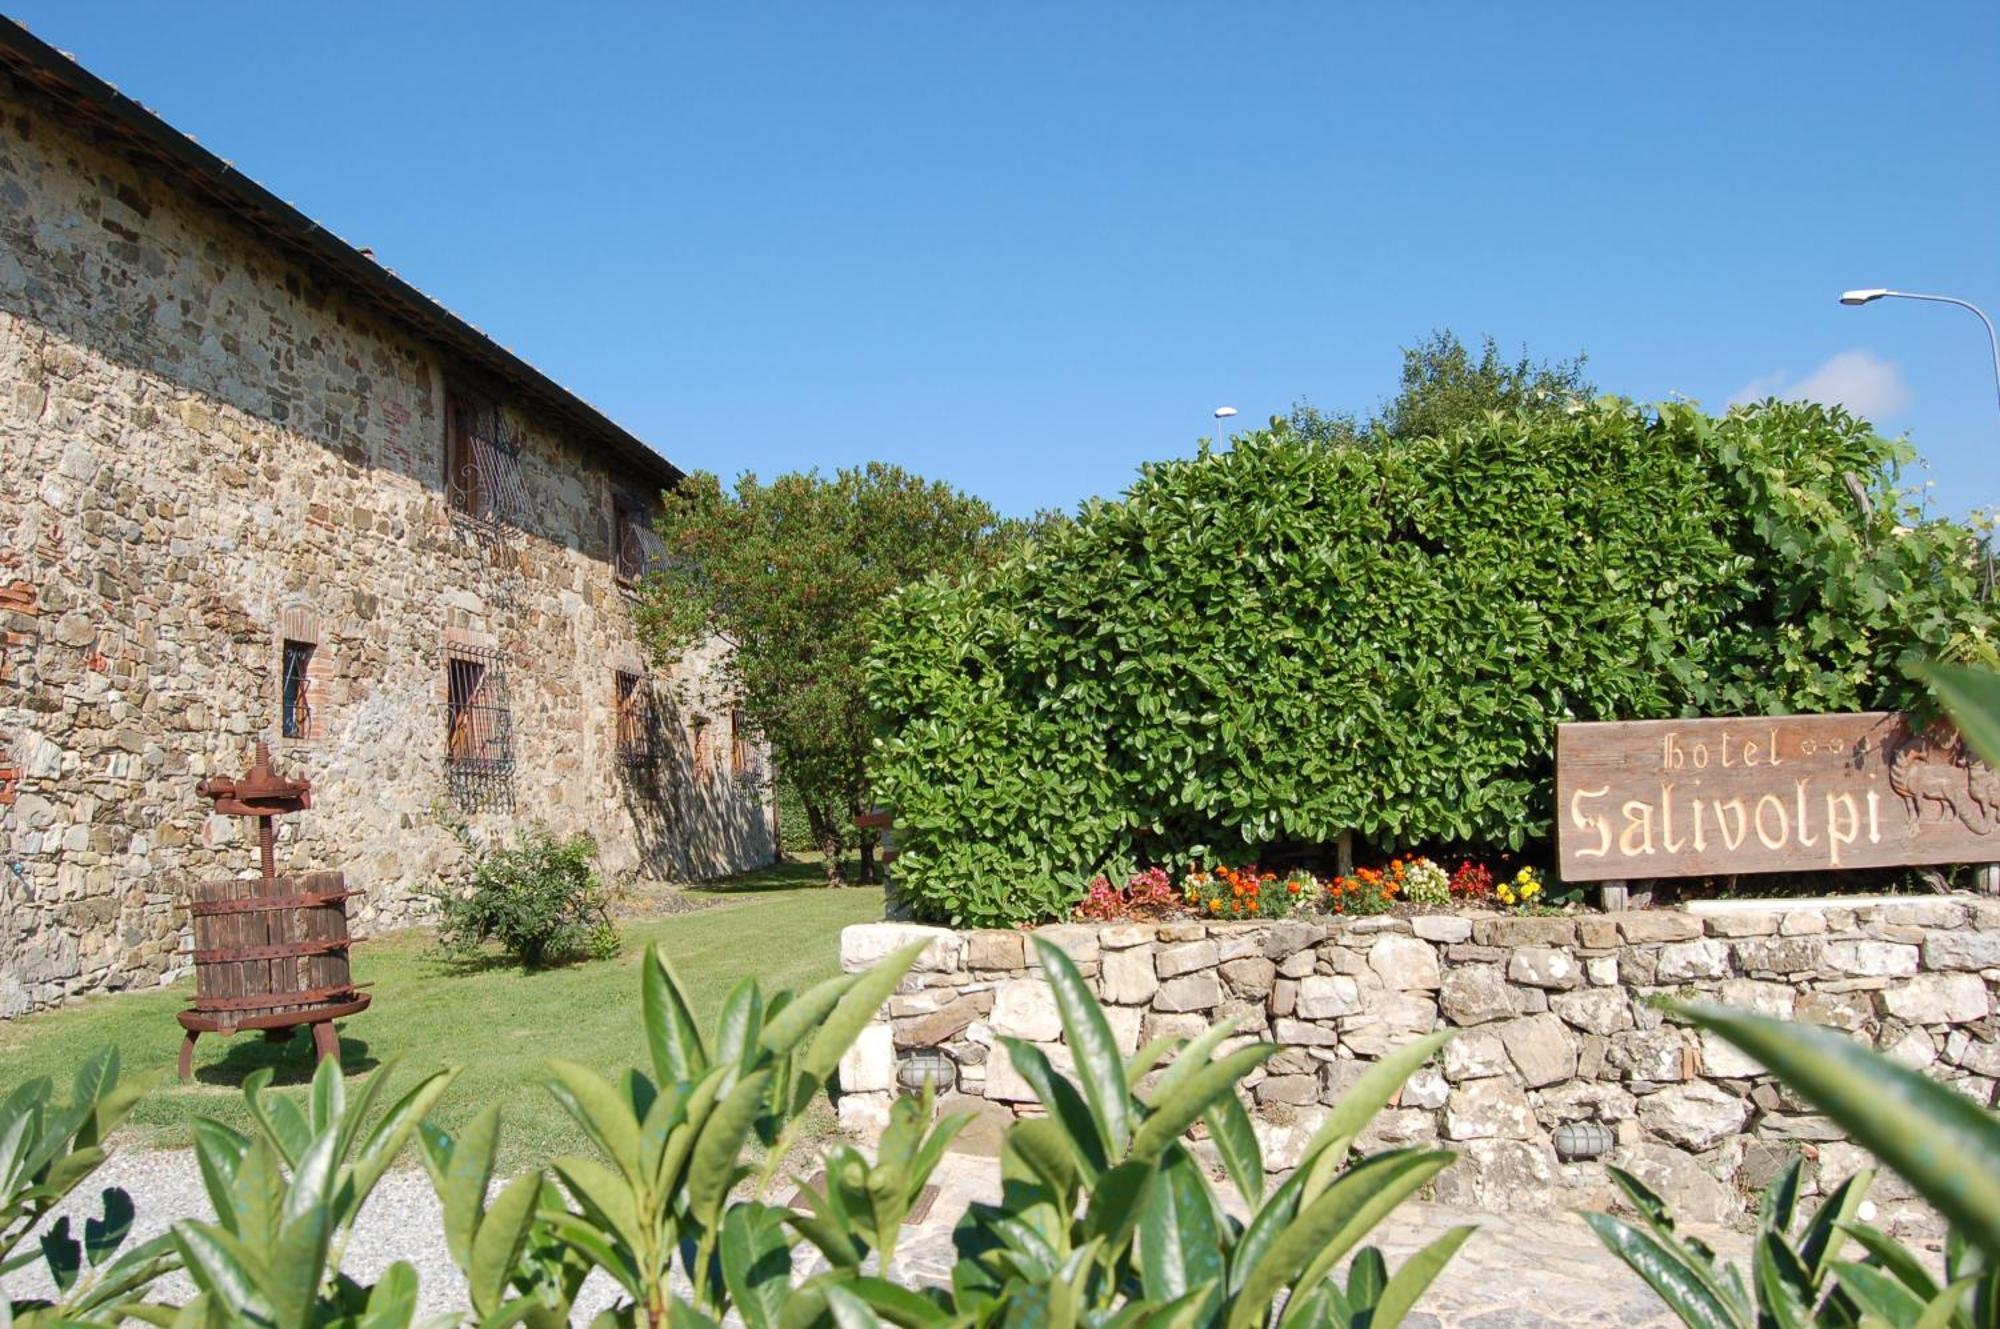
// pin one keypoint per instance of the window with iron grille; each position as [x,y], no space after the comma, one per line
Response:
[479,727]
[636,548]
[482,469]
[739,743]
[635,719]
[295,695]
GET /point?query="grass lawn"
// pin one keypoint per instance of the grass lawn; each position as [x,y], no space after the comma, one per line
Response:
[495,1022]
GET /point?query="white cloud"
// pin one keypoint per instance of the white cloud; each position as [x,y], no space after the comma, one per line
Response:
[1861,381]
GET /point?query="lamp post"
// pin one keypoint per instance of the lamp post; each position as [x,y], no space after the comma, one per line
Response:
[1872,294]
[1222,413]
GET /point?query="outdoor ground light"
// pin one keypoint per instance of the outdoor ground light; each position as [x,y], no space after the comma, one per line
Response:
[932,1066]
[1576,1141]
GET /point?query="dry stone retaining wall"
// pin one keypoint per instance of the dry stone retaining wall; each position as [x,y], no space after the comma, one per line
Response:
[1556,1029]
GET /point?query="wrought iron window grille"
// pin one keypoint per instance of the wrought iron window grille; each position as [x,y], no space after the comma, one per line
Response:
[483,484]
[295,711]
[479,729]
[638,740]
[636,548]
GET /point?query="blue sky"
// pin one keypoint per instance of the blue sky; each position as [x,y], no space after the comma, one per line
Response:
[1026,247]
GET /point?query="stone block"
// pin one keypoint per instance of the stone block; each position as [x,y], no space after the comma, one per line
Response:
[947,1022]
[1304,1033]
[1004,1084]
[1475,1055]
[1871,959]
[869,1064]
[1297,1090]
[1125,1022]
[1528,931]
[1488,1109]
[1394,1128]
[1427,1088]
[1404,963]
[1601,971]
[1189,992]
[1543,967]
[1284,1132]
[1777,1000]
[1913,1048]
[1387,1022]
[1644,925]
[1447,929]
[1938,999]
[1541,1047]
[1679,1179]
[1474,994]
[864,944]
[1326,996]
[1288,938]
[1025,1008]
[1173,961]
[1837,1010]
[1695,1115]
[1299,963]
[864,1115]
[1681,961]
[1583,1100]
[1122,936]
[1503,1176]
[1962,950]
[1605,1010]
[1597,934]
[1746,924]
[1778,955]
[1802,923]
[1184,1026]
[1127,976]
[1077,940]
[1284,996]
[1722,1059]
[994,950]
[1660,1056]
[1250,977]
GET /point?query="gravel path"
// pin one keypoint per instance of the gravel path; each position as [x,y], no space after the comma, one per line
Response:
[1537,1272]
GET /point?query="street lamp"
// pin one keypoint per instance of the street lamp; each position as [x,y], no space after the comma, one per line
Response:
[1871,294]
[1222,413]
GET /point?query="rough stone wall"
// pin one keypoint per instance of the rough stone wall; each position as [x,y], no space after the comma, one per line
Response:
[203,452]
[1555,1019]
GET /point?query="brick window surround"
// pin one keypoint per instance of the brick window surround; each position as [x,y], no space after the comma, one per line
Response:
[299,668]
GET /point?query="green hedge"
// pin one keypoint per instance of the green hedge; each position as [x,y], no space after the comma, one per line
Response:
[1286,641]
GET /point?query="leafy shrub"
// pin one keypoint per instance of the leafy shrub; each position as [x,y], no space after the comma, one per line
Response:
[1288,641]
[541,899]
[47,1150]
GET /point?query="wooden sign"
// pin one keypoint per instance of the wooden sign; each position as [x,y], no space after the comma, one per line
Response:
[1684,798]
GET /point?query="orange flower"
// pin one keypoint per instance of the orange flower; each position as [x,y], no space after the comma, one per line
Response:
[1293,887]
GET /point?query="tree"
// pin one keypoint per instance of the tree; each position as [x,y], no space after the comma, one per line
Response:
[1444,386]
[789,574]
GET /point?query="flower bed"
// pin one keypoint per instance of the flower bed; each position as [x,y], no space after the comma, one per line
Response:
[1404,885]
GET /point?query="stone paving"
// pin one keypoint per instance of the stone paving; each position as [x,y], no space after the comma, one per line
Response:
[1518,1272]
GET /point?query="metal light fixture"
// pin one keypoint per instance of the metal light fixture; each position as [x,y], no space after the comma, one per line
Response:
[932,1066]
[1869,294]
[1577,1141]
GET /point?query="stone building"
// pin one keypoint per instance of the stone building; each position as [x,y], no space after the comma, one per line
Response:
[256,486]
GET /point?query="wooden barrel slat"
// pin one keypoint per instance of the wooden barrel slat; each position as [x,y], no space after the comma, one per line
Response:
[274,947]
